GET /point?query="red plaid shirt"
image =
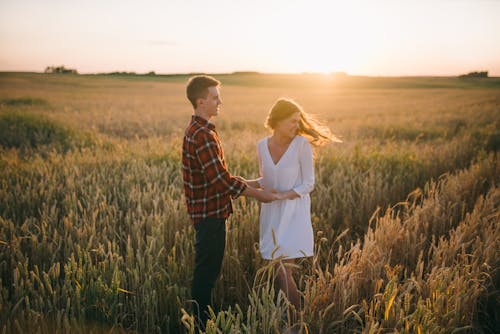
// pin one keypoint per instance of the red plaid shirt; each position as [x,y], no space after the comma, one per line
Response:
[208,185]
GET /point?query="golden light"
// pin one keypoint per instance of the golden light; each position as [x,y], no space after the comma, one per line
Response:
[326,38]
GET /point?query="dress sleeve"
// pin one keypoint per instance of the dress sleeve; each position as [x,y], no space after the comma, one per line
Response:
[306,169]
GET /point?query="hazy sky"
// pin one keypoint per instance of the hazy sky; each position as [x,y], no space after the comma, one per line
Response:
[420,37]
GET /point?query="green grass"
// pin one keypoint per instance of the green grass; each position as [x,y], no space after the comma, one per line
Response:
[23,101]
[25,130]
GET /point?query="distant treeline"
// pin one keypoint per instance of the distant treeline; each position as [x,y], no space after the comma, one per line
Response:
[475,75]
[63,70]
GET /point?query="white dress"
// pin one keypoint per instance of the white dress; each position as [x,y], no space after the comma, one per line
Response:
[285,226]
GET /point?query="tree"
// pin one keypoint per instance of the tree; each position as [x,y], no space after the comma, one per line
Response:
[59,70]
[475,75]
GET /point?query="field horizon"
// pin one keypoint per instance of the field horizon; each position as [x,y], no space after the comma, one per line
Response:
[326,75]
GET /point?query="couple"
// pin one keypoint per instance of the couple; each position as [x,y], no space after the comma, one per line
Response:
[286,179]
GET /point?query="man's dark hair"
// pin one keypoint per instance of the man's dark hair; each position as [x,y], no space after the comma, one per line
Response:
[197,87]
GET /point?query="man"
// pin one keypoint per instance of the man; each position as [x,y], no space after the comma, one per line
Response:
[208,187]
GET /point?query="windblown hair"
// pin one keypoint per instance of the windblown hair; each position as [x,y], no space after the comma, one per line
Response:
[317,133]
[197,87]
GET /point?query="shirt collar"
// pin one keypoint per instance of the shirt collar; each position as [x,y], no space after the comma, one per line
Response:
[203,122]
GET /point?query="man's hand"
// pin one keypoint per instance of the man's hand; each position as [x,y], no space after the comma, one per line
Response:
[251,183]
[239,178]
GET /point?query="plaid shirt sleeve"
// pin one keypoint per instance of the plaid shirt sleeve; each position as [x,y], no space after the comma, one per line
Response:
[211,159]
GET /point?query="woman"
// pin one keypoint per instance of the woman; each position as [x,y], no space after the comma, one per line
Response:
[286,166]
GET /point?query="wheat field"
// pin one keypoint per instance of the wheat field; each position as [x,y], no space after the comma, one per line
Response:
[95,238]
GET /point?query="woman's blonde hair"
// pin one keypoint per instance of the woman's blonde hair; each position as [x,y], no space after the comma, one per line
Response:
[317,133]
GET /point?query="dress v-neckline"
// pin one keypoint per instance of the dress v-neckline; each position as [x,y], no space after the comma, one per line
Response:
[282,156]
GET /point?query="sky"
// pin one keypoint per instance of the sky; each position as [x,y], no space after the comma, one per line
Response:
[376,38]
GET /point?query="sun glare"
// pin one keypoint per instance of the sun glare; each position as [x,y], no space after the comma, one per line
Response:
[328,40]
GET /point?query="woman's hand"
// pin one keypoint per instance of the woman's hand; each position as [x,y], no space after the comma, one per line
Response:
[284,195]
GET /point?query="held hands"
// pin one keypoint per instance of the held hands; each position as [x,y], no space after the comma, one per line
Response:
[253,190]
[284,195]
[267,196]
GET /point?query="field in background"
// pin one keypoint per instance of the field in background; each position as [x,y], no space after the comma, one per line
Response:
[94,235]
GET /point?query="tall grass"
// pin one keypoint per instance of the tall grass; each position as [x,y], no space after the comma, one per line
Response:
[96,237]
[398,258]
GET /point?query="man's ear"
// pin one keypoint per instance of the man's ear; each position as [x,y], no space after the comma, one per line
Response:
[199,101]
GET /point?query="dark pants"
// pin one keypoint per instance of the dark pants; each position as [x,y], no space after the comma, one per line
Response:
[209,251]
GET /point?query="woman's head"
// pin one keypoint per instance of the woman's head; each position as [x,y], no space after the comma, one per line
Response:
[284,118]
[286,114]
[281,110]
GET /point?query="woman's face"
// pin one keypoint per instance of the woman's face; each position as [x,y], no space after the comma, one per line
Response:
[289,126]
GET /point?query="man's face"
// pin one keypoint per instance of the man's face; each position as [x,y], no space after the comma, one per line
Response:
[210,105]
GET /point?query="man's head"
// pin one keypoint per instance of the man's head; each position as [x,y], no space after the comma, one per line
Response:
[198,88]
